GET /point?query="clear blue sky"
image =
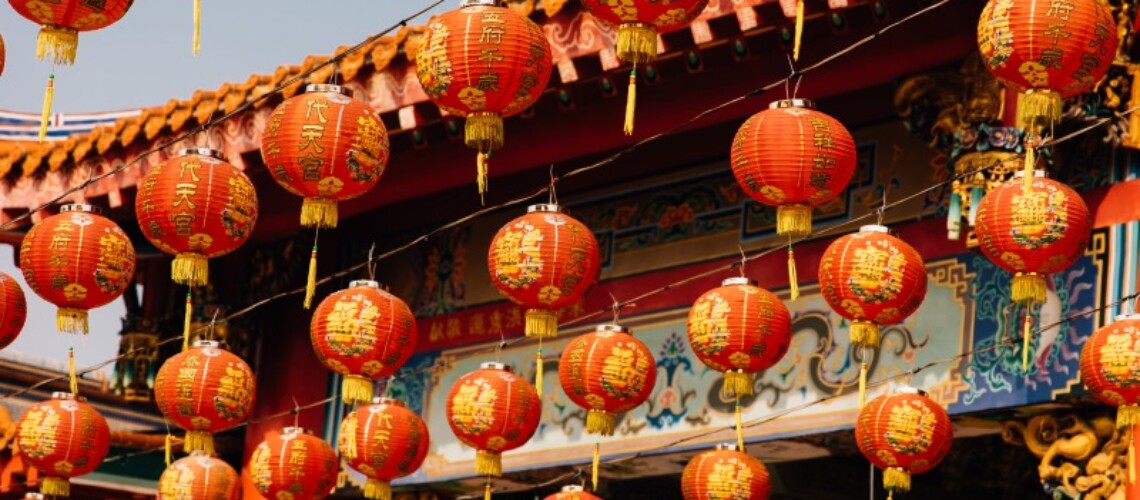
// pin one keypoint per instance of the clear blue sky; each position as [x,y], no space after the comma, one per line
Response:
[145,59]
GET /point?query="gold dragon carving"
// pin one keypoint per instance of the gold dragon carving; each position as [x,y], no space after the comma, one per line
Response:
[1084,458]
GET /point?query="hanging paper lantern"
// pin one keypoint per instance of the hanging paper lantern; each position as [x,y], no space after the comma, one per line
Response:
[199,477]
[363,333]
[483,62]
[492,410]
[293,464]
[77,260]
[327,147]
[725,473]
[608,372]
[1110,367]
[573,492]
[1047,50]
[204,390]
[739,329]
[639,22]
[384,441]
[63,437]
[61,21]
[903,433]
[544,261]
[13,310]
[196,206]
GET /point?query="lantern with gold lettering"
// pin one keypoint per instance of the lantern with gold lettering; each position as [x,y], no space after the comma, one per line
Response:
[903,433]
[384,441]
[199,476]
[63,437]
[725,472]
[573,492]
[61,21]
[196,206]
[638,23]
[13,310]
[204,390]
[363,333]
[1109,367]
[483,62]
[1047,50]
[492,410]
[608,372]
[77,260]
[293,464]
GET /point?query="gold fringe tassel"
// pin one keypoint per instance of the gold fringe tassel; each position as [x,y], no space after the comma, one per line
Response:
[70,320]
[1131,461]
[541,323]
[169,447]
[487,491]
[538,369]
[186,321]
[1026,335]
[863,383]
[484,132]
[45,113]
[191,269]
[595,466]
[631,102]
[600,422]
[72,376]
[636,43]
[1030,166]
[896,479]
[199,441]
[488,463]
[481,165]
[57,44]
[377,490]
[319,213]
[736,383]
[1029,288]
[793,277]
[1038,108]
[311,279]
[55,487]
[1127,416]
[864,334]
[356,390]
[799,30]
[793,221]
[739,425]
[197,25]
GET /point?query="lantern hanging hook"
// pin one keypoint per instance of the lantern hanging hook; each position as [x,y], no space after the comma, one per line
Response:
[616,307]
[793,74]
[372,262]
[743,258]
[213,323]
[296,412]
[882,208]
[553,181]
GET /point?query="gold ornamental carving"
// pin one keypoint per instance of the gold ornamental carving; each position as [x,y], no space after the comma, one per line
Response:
[1082,457]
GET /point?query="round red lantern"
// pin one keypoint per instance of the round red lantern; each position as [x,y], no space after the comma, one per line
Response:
[492,410]
[63,437]
[384,441]
[739,329]
[293,464]
[1110,367]
[1047,50]
[725,473]
[204,390]
[199,476]
[903,433]
[77,260]
[196,206]
[544,261]
[13,310]
[608,372]
[327,147]
[61,21]
[483,62]
[363,333]
[573,492]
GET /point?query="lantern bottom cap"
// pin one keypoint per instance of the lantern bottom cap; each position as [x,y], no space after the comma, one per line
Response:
[600,422]
[793,221]
[191,269]
[488,463]
[55,487]
[71,320]
[737,384]
[1127,416]
[376,489]
[201,441]
[1029,288]
[636,43]
[356,390]
[58,44]
[1039,108]
[896,479]
[864,334]
[319,213]
[541,323]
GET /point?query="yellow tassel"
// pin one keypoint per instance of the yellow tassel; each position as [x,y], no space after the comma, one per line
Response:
[71,374]
[862,384]
[538,370]
[1026,335]
[541,323]
[1038,109]
[793,221]
[186,321]
[488,463]
[169,448]
[198,441]
[793,277]
[864,334]
[68,320]
[57,44]
[481,160]
[1029,288]
[1127,416]
[739,426]
[596,464]
[600,422]
[799,30]
[1131,461]
[311,281]
[487,491]
[377,490]
[45,114]
[631,102]
[319,213]
[736,383]
[483,132]
[896,479]
[1030,166]
[55,487]
[636,43]
[356,390]
[197,25]
[191,269]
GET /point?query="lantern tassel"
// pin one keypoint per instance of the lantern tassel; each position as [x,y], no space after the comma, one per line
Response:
[169,447]
[186,321]
[1131,461]
[631,101]
[595,465]
[793,277]
[487,491]
[636,43]
[793,221]
[71,374]
[1030,166]
[864,334]
[57,44]
[377,490]
[600,422]
[739,426]
[55,487]
[736,383]
[488,463]
[197,25]
[45,114]
[356,390]
[311,281]
[191,269]
[862,384]
[1038,108]
[538,370]
[799,30]
[481,161]
[70,320]
[896,479]
[1026,335]
[1029,288]
[319,213]
[1127,416]
[198,441]
[541,323]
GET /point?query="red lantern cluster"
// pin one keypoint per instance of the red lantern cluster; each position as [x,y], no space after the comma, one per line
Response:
[61,21]
[739,329]
[363,333]
[64,438]
[725,473]
[199,476]
[204,390]
[1110,367]
[608,372]
[293,464]
[77,260]
[196,206]
[573,492]
[492,410]
[544,261]
[13,310]
[903,433]
[384,441]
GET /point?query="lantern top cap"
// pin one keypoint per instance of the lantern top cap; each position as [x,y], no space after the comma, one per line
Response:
[611,328]
[573,488]
[726,447]
[207,343]
[1037,174]
[200,454]
[294,430]
[365,283]
[327,87]
[544,207]
[211,152]
[474,3]
[80,207]
[494,365]
[38,496]
[905,389]
[738,280]
[874,228]
[792,103]
[65,396]
[380,400]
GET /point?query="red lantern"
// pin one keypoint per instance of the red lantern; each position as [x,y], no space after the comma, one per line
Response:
[327,147]
[1047,50]
[739,329]
[77,260]
[293,464]
[544,261]
[199,477]
[725,473]
[572,492]
[492,410]
[61,21]
[384,441]
[196,206]
[903,433]
[204,390]
[483,62]
[63,437]
[13,310]
[1110,367]
[608,372]
[363,333]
